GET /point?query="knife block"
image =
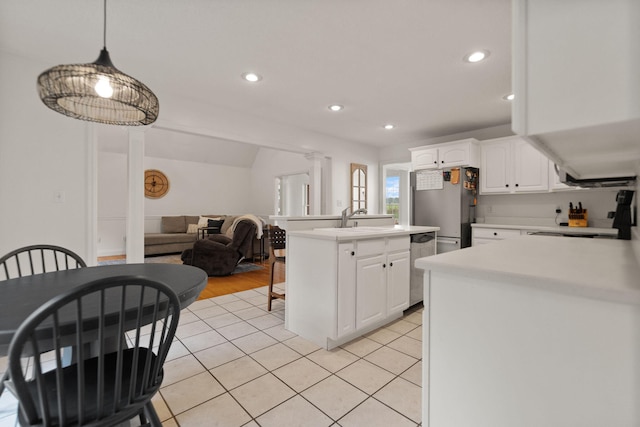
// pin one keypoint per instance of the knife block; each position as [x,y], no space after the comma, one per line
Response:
[578,218]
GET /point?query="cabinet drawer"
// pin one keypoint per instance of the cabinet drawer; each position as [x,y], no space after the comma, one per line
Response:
[478,242]
[495,233]
[398,243]
[370,247]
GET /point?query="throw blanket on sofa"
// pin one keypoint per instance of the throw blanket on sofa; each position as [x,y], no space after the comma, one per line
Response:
[248,217]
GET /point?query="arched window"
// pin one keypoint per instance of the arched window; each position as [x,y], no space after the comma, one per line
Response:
[358,186]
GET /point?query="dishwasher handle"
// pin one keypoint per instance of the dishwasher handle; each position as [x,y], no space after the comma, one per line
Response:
[448,244]
[448,241]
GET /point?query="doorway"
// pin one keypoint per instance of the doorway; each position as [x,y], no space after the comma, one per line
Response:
[395,192]
[292,195]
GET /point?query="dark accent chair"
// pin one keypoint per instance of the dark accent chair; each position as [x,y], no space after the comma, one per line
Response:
[219,255]
[277,248]
[115,375]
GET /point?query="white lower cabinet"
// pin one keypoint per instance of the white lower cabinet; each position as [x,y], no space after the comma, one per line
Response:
[398,275]
[381,287]
[341,290]
[382,274]
[371,290]
[346,299]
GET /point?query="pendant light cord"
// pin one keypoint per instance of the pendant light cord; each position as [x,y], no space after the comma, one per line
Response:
[104,37]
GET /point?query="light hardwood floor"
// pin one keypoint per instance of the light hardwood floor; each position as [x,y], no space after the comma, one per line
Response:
[240,282]
[217,286]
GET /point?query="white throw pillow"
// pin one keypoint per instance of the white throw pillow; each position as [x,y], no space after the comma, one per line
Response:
[204,221]
[192,229]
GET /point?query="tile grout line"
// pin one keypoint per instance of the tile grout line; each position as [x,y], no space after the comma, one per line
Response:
[369,395]
[358,356]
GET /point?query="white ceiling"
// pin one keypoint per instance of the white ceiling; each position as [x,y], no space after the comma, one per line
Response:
[386,61]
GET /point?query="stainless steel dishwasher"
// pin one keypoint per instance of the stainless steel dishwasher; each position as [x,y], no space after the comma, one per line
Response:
[422,245]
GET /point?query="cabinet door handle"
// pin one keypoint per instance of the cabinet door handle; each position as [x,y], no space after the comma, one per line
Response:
[353,253]
[506,185]
[495,234]
[390,264]
[517,185]
[384,265]
[435,163]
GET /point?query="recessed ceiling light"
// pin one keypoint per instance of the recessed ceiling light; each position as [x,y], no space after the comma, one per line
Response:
[389,126]
[252,77]
[335,107]
[476,56]
[509,97]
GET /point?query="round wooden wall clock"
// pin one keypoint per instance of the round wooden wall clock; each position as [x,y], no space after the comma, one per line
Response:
[156,184]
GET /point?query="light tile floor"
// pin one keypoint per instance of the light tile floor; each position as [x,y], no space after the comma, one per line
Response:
[233,364]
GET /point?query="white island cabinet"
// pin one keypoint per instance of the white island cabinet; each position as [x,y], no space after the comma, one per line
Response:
[533,331]
[344,283]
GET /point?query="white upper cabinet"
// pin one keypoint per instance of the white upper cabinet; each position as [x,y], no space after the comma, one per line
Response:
[554,180]
[530,168]
[424,158]
[494,167]
[575,80]
[511,165]
[447,155]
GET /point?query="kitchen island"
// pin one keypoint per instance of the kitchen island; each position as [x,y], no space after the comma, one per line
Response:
[345,282]
[311,222]
[535,331]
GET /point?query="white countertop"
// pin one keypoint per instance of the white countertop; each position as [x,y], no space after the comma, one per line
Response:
[605,269]
[557,228]
[340,234]
[327,217]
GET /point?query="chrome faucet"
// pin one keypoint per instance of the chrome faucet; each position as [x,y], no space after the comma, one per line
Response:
[345,217]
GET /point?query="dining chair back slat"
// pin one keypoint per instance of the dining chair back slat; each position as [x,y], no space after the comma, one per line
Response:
[36,259]
[118,359]
[20,262]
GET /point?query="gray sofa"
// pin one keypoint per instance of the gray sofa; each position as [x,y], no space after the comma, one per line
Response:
[175,238]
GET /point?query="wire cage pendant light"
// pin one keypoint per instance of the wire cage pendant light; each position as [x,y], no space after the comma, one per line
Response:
[98,92]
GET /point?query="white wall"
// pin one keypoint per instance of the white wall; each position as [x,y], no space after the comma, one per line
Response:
[195,189]
[41,153]
[294,194]
[539,209]
[270,163]
[201,188]
[341,188]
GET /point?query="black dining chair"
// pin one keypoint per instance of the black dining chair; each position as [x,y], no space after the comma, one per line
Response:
[37,259]
[119,365]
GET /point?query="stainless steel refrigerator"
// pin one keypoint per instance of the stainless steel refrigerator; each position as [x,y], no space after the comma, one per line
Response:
[445,198]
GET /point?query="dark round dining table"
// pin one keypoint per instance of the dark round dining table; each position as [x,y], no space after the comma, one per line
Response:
[22,296]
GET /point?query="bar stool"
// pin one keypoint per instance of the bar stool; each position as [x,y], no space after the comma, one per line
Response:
[277,247]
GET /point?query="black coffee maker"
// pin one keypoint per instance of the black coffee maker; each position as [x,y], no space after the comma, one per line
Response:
[622,221]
